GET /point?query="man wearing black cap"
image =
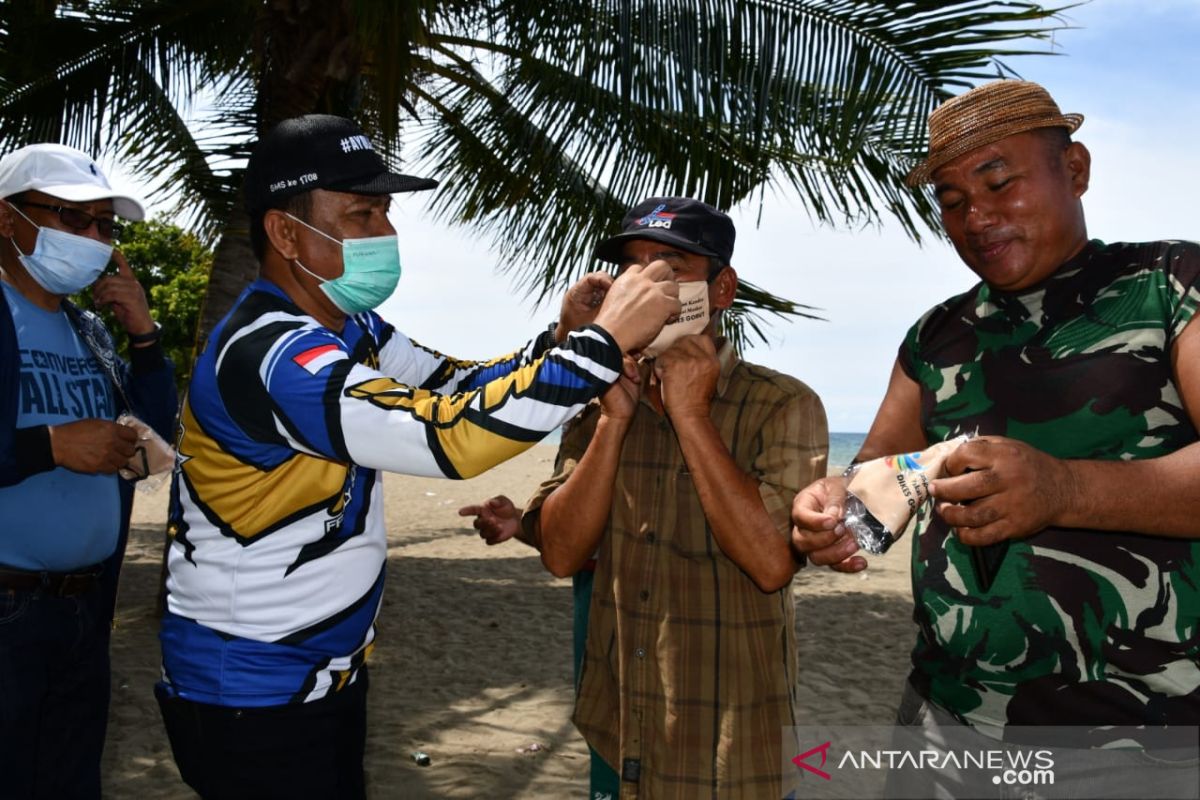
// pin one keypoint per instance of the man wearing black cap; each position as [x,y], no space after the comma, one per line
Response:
[679,486]
[301,397]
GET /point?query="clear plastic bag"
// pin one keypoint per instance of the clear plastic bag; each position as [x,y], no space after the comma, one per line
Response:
[153,460]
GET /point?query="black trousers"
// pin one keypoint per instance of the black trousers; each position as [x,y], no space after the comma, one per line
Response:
[54,688]
[305,750]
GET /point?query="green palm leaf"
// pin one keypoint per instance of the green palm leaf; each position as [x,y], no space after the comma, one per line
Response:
[544,121]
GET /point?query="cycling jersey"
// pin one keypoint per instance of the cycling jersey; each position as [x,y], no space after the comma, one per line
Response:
[278,546]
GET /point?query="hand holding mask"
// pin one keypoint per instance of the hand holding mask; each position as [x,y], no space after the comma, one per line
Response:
[885,493]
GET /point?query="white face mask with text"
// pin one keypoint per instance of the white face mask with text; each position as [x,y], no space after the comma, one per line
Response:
[693,318]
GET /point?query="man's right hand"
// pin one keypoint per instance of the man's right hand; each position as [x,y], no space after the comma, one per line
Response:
[92,445]
[497,519]
[817,530]
[638,303]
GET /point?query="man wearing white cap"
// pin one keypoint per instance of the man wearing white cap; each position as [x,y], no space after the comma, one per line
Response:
[64,508]
[1057,581]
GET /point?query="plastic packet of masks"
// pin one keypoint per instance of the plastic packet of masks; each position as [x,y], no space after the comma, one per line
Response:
[885,493]
[153,459]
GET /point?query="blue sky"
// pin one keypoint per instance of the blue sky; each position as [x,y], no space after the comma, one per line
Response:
[1129,67]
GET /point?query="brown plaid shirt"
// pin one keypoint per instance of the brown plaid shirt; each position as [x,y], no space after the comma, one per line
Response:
[690,670]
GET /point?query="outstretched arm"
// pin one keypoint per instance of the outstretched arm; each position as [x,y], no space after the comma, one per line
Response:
[630,310]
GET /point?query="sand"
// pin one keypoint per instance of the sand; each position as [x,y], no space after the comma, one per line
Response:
[473,662]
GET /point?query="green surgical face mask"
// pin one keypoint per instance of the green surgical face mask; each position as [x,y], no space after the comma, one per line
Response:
[370,271]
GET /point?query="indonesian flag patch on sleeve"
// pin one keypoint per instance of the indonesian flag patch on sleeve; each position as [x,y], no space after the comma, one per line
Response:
[317,358]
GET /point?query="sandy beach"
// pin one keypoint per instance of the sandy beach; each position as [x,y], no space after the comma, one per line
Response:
[473,660]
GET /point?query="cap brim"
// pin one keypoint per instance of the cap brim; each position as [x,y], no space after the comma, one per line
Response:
[384,183]
[124,206]
[610,249]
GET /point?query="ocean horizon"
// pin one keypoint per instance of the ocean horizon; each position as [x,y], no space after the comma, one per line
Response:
[843,447]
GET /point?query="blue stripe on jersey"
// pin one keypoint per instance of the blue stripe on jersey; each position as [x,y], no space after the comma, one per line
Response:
[488,374]
[225,670]
[258,425]
[296,390]
[207,406]
[558,374]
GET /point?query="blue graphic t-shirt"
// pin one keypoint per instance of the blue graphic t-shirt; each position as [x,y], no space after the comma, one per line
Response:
[58,520]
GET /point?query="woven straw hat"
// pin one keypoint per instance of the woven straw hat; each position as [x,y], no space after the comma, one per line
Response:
[987,114]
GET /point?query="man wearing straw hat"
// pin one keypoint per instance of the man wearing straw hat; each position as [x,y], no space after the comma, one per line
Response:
[1057,581]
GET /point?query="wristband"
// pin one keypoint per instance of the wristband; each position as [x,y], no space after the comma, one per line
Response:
[146,338]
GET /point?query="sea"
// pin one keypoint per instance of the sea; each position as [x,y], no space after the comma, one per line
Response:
[843,447]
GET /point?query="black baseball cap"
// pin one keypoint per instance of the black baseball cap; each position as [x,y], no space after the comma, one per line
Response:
[690,225]
[319,151]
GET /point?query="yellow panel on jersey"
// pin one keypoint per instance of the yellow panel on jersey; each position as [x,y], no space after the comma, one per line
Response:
[247,500]
[385,393]
[261,620]
[472,449]
[473,430]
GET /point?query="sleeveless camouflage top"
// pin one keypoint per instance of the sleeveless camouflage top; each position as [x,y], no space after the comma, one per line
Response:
[1080,626]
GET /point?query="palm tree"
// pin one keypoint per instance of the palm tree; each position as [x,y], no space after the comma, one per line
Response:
[543,120]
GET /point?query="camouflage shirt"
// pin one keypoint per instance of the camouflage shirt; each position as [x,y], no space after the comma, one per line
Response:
[1080,626]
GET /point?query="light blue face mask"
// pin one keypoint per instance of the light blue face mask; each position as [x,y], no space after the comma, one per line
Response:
[370,271]
[63,263]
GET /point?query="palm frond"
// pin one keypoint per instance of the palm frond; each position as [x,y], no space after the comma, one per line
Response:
[125,75]
[543,120]
[559,116]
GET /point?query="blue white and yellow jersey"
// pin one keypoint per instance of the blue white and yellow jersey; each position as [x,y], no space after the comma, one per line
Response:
[276,563]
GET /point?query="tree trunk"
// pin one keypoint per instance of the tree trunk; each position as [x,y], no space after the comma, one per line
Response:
[234,267]
[308,62]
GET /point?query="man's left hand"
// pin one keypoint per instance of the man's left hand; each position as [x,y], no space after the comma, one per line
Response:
[688,373]
[581,303]
[1000,489]
[124,296]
